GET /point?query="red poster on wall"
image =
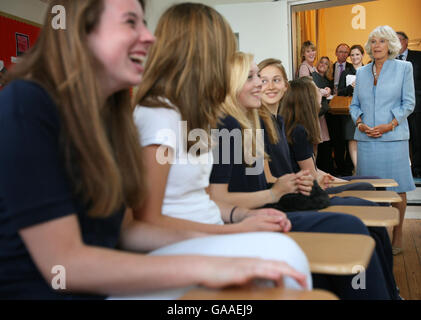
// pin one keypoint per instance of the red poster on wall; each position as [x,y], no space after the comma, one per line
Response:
[16,37]
[22,44]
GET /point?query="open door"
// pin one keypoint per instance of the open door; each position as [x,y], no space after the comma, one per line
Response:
[277,29]
[329,23]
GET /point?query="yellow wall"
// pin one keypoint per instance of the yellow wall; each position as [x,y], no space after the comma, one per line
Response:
[404,15]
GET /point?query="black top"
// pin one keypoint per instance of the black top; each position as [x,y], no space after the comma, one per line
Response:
[322,82]
[229,167]
[415,58]
[280,161]
[348,65]
[343,89]
[301,149]
[35,188]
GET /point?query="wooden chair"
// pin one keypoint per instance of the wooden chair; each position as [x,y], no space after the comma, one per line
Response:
[371,216]
[374,182]
[375,196]
[335,253]
[257,293]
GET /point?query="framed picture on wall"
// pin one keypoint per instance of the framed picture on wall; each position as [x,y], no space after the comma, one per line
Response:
[22,43]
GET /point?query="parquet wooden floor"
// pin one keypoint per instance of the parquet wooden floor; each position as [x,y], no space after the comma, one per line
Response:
[407,266]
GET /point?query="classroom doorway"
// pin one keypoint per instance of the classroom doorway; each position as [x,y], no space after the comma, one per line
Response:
[328,23]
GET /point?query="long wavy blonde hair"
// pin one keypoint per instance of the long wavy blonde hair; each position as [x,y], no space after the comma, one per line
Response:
[248,118]
[99,142]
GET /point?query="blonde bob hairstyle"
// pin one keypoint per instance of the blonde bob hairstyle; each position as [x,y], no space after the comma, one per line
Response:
[306,45]
[248,118]
[387,33]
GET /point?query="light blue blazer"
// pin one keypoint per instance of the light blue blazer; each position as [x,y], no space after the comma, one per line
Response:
[393,97]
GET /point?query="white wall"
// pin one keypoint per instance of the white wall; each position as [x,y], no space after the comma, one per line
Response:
[262,24]
[263,29]
[155,8]
[32,10]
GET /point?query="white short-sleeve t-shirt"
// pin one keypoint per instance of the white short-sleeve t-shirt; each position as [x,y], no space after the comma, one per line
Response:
[185,195]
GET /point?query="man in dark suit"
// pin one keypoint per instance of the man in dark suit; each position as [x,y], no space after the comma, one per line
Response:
[342,54]
[414,120]
[342,159]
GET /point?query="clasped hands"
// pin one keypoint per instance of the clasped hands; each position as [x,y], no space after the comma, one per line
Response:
[301,182]
[269,219]
[377,131]
[326,92]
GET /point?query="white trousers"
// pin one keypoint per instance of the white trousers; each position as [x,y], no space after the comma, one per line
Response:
[265,245]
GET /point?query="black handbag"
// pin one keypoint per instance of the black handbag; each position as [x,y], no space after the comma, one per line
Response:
[318,199]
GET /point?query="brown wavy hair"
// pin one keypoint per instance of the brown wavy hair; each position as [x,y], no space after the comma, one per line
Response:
[300,105]
[99,142]
[359,47]
[329,72]
[189,65]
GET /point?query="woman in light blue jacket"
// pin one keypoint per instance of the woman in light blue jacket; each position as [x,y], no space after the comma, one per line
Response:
[384,97]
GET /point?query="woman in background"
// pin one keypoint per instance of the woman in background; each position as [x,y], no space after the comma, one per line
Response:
[308,56]
[384,96]
[322,77]
[345,89]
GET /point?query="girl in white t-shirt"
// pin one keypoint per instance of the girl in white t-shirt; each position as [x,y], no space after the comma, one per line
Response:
[186,79]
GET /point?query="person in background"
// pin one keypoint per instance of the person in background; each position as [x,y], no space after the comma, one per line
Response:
[342,53]
[384,97]
[308,57]
[414,119]
[323,80]
[70,173]
[345,89]
[341,159]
